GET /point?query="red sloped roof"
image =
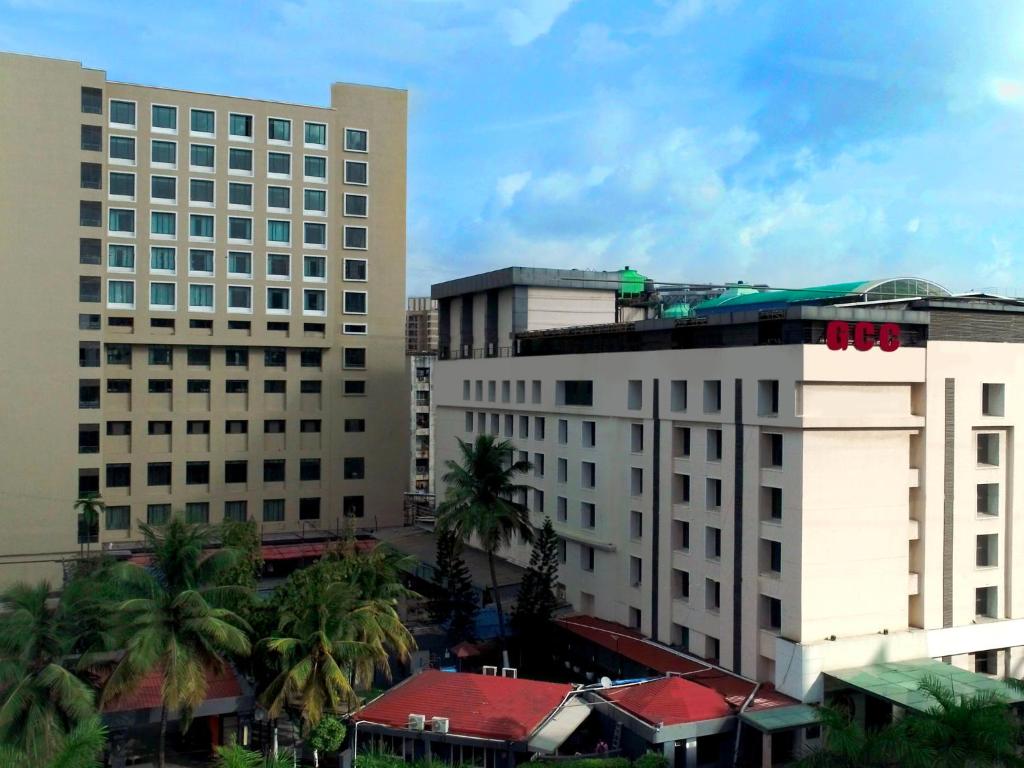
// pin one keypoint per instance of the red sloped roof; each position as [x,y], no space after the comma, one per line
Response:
[476,705]
[634,646]
[669,701]
[146,695]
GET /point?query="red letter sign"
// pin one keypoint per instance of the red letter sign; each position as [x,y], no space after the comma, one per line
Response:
[865,335]
[889,337]
[837,335]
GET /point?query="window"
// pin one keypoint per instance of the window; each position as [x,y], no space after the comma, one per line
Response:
[161,259]
[355,140]
[240,160]
[714,447]
[355,269]
[122,148]
[356,172]
[90,213]
[588,474]
[239,298]
[713,493]
[986,602]
[712,396]
[988,499]
[121,257]
[198,386]
[636,572]
[119,518]
[162,224]
[987,550]
[680,535]
[240,126]
[352,506]
[163,153]
[354,387]
[278,265]
[121,294]
[119,354]
[92,140]
[771,608]
[988,449]
[240,263]
[278,300]
[236,471]
[240,228]
[355,238]
[92,101]
[91,176]
[713,543]
[197,473]
[354,357]
[771,499]
[589,434]
[356,205]
[354,468]
[165,118]
[279,163]
[122,112]
[89,289]
[634,394]
[199,356]
[122,185]
[771,553]
[678,396]
[563,432]
[712,595]
[89,250]
[680,442]
[355,302]
[273,510]
[158,473]
[311,358]
[160,386]
[274,357]
[309,509]
[310,426]
[121,220]
[314,234]
[240,194]
[353,425]
[986,662]
[87,322]
[768,397]
[314,200]
[236,511]
[197,512]
[158,514]
[200,191]
[200,226]
[316,134]
[273,471]
[680,585]
[119,475]
[197,427]
[309,469]
[279,197]
[279,231]
[575,393]
[992,397]
[279,129]
[586,558]
[538,427]
[562,465]
[162,295]
[236,387]
[772,451]
[88,438]
[201,121]
[160,354]
[314,267]
[314,168]
[588,515]
[200,297]
[636,481]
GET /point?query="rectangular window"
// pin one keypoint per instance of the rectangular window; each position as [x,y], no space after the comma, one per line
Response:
[772,613]
[714,447]
[199,356]
[316,134]
[200,226]
[240,125]
[197,427]
[354,387]
[121,257]
[119,475]
[713,543]
[91,176]
[355,238]
[122,185]
[310,426]
[279,129]
[121,294]
[314,267]
[588,474]
[309,509]
[279,231]
[354,425]
[119,518]
[198,386]
[90,213]
[314,168]
[355,269]
[712,595]
[240,160]
[121,220]
[279,197]
[279,163]
[988,449]
[236,511]
[197,473]
[158,473]
[201,156]
[589,434]
[636,572]
[314,200]
[314,302]
[278,300]
[161,386]
[988,499]
[992,399]
[355,302]
[162,295]
[273,471]
[92,101]
[987,550]
[92,139]
[161,259]
[355,140]
[309,469]
[273,510]
[122,112]
[162,224]
[356,205]
[356,172]
[768,397]
[712,396]
[586,558]
[772,500]
[240,263]
[713,493]
[163,153]
[122,148]
[580,393]
[240,228]
[771,447]
[314,234]
[89,252]
[239,298]
[165,117]
[354,468]
[240,194]
[160,354]
[158,514]
[201,121]
[311,358]
[200,297]
[588,515]
[200,191]
[636,481]
[197,512]
[275,357]
[986,603]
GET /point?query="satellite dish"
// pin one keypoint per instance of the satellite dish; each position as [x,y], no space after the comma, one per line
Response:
[606,682]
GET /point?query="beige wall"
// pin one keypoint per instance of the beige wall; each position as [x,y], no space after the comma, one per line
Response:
[40,142]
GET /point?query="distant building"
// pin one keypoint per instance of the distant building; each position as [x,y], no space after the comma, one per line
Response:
[782,482]
[421,346]
[421,326]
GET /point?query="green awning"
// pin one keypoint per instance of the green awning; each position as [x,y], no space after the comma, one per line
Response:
[781,718]
[900,681]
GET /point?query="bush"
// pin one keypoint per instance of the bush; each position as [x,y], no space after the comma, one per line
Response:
[651,760]
[593,762]
[328,734]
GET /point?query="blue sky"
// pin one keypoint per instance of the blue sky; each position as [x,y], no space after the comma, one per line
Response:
[782,141]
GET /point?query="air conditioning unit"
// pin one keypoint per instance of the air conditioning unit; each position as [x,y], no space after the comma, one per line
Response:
[509,672]
[439,725]
[489,670]
[417,722]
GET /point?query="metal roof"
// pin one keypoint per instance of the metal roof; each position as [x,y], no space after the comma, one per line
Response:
[781,718]
[888,288]
[528,276]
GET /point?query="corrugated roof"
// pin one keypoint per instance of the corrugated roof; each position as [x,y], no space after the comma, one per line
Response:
[669,701]
[778,298]
[147,694]
[484,706]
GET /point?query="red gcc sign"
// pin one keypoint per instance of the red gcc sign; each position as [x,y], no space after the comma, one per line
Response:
[839,335]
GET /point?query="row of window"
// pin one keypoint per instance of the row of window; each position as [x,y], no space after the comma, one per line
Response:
[89,393]
[94,322]
[163,355]
[163,190]
[163,225]
[201,263]
[163,297]
[119,518]
[89,433]
[203,122]
[158,473]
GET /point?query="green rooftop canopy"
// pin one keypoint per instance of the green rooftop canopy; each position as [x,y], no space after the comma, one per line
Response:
[781,718]
[859,290]
[900,682]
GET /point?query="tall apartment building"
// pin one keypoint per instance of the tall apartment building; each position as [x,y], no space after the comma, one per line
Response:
[203,308]
[786,483]
[421,346]
[421,326]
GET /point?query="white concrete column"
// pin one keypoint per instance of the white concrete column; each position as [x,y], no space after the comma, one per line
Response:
[766,750]
[690,751]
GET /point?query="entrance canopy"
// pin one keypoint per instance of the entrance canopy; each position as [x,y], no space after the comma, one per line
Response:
[560,726]
[900,681]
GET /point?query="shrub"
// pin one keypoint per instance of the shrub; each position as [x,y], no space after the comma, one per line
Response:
[651,760]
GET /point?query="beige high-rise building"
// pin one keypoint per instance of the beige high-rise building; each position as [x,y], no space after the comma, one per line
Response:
[790,484]
[421,326]
[203,302]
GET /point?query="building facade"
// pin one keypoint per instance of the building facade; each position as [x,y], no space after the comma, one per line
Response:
[742,485]
[203,299]
[421,326]
[421,346]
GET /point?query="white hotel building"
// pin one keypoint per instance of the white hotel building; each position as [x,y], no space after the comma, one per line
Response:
[732,485]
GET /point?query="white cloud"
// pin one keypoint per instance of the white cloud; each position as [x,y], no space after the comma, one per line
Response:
[531,19]
[1007,91]
[913,226]
[509,186]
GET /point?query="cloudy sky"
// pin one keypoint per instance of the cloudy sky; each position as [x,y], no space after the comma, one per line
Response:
[780,141]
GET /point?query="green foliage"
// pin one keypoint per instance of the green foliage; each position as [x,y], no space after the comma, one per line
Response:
[80,748]
[594,762]
[536,602]
[234,756]
[651,760]
[243,537]
[90,508]
[328,734]
[479,502]
[455,602]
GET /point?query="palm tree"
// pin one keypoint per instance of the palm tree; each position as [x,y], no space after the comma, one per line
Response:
[90,506]
[847,745]
[962,730]
[41,699]
[174,626]
[235,756]
[479,501]
[78,749]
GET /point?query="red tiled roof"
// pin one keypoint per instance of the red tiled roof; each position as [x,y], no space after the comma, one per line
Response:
[669,701]
[146,695]
[634,646]
[476,705]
